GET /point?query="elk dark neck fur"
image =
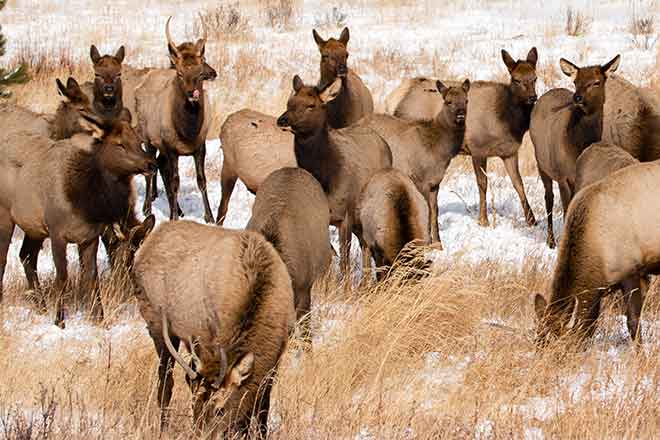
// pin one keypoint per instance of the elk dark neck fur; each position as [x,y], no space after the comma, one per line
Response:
[317,155]
[188,117]
[337,114]
[442,133]
[98,195]
[583,130]
[108,108]
[516,113]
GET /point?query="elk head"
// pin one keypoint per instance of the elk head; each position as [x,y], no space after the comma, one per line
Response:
[118,148]
[523,76]
[66,122]
[455,105]
[190,65]
[130,239]
[306,110]
[589,82]
[334,56]
[107,75]
[551,319]
[214,378]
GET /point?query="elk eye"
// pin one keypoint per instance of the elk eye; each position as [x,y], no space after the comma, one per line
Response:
[324,57]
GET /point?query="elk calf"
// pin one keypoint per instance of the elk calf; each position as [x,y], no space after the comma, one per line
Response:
[342,161]
[611,240]
[106,89]
[423,150]
[292,212]
[563,125]
[392,214]
[227,296]
[68,191]
[497,120]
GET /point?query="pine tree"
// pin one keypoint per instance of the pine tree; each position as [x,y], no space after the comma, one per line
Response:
[13,76]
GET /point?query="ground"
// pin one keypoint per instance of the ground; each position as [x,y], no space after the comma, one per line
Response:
[452,357]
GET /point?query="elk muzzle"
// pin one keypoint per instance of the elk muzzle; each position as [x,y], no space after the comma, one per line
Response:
[283,121]
[531,100]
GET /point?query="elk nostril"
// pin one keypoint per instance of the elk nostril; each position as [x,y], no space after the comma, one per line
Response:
[282,121]
[108,89]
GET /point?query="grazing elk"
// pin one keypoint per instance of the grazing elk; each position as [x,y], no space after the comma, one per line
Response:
[423,150]
[227,296]
[342,160]
[69,191]
[611,240]
[62,125]
[598,161]
[173,117]
[392,214]
[563,124]
[245,132]
[499,116]
[292,212]
[354,100]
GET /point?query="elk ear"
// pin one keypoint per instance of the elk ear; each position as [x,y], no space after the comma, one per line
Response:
[611,67]
[345,35]
[94,54]
[320,42]
[331,92]
[442,89]
[200,46]
[119,56]
[533,56]
[297,84]
[72,90]
[568,68]
[466,86]
[242,370]
[61,88]
[174,54]
[508,61]
[540,304]
[93,123]
[125,115]
[140,232]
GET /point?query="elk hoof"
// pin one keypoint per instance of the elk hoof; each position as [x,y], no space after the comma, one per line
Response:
[551,243]
[484,222]
[208,219]
[531,221]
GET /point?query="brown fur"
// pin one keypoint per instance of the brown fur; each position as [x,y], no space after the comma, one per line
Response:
[68,191]
[598,161]
[173,118]
[423,150]
[238,299]
[563,125]
[342,160]
[107,90]
[498,117]
[354,101]
[392,214]
[253,147]
[589,266]
[292,212]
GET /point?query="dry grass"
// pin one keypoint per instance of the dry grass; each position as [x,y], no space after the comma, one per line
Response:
[390,361]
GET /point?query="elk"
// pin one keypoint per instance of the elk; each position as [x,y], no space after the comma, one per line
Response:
[234,318]
[423,150]
[62,125]
[342,161]
[598,161]
[563,124]
[354,100]
[69,191]
[291,212]
[392,214]
[589,266]
[245,132]
[499,116]
[173,118]
[106,89]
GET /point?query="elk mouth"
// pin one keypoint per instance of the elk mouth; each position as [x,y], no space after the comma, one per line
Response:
[150,170]
[460,119]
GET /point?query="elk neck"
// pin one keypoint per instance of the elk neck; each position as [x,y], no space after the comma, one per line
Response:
[108,107]
[317,155]
[187,117]
[445,134]
[97,194]
[515,113]
[583,130]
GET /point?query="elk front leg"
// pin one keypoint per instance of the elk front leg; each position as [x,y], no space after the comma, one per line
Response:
[433,215]
[89,276]
[479,164]
[227,181]
[29,257]
[165,377]
[58,247]
[6,232]
[512,169]
[200,158]
[634,291]
[549,205]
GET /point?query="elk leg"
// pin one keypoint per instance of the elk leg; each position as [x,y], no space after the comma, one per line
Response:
[549,205]
[264,406]
[30,256]
[173,160]
[479,164]
[512,169]
[634,290]
[150,186]
[200,158]
[433,214]
[58,247]
[566,196]
[6,232]
[89,276]
[303,307]
[166,173]
[165,377]
[227,180]
[345,231]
